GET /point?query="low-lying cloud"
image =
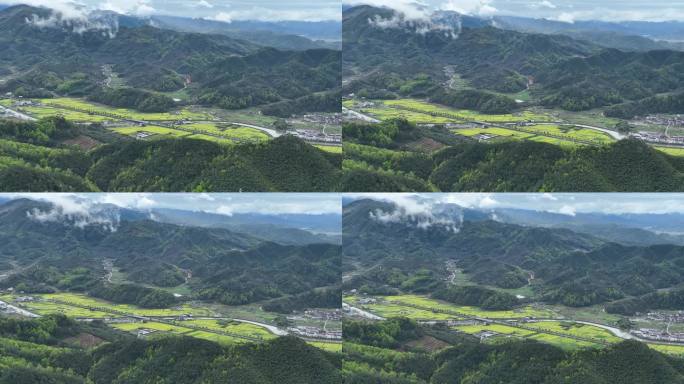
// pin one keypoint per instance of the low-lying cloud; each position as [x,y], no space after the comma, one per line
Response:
[108,26]
[78,213]
[78,18]
[420,213]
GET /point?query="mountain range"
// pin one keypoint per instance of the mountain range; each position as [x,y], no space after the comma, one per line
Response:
[47,248]
[389,250]
[44,55]
[383,58]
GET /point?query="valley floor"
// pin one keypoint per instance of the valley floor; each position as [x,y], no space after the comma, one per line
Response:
[228,127]
[548,324]
[319,327]
[535,124]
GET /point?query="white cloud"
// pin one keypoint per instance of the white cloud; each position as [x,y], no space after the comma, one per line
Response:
[129,7]
[221,16]
[268,14]
[543,4]
[73,210]
[567,210]
[128,200]
[413,10]
[471,7]
[205,4]
[471,200]
[565,17]
[421,211]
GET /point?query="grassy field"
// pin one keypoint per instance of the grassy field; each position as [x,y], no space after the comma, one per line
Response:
[231,327]
[134,327]
[671,151]
[669,349]
[577,329]
[555,141]
[227,130]
[498,328]
[499,132]
[330,148]
[570,132]
[221,339]
[330,347]
[563,342]
[132,131]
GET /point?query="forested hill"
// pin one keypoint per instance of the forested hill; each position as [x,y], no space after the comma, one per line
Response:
[408,251]
[378,350]
[33,159]
[382,58]
[53,349]
[525,166]
[43,55]
[68,251]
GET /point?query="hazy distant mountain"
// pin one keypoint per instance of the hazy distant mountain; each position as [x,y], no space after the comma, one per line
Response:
[281,35]
[279,228]
[667,31]
[637,36]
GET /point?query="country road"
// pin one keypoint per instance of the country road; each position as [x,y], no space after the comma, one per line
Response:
[360,115]
[273,329]
[361,312]
[16,114]
[268,131]
[18,310]
[615,135]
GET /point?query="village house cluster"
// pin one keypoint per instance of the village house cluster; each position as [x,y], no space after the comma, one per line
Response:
[316,136]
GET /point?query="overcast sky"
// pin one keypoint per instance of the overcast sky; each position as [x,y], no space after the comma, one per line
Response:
[224,10]
[562,10]
[221,203]
[569,204]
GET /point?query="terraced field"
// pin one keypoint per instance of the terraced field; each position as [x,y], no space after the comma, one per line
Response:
[424,302]
[85,301]
[85,106]
[204,131]
[504,331]
[47,307]
[40,112]
[422,112]
[423,308]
